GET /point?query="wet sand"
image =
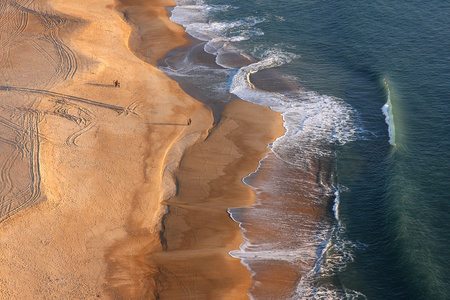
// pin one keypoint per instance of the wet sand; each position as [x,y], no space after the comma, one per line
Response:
[295,205]
[89,170]
[198,233]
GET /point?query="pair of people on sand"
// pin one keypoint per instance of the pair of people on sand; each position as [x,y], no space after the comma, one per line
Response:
[116,83]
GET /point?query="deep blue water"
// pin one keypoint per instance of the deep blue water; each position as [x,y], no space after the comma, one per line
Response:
[345,59]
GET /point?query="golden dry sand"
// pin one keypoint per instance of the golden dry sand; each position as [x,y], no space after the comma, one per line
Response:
[88,168]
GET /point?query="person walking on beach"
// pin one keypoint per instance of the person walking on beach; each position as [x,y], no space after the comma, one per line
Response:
[116,83]
[189,122]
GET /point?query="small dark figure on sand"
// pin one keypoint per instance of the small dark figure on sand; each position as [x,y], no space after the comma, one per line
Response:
[189,122]
[116,83]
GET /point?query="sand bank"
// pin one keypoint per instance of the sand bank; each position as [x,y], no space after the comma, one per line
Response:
[94,165]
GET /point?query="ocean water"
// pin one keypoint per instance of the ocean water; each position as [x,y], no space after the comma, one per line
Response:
[353,202]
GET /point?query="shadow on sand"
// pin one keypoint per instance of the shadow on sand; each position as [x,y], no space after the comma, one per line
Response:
[167,124]
[100,84]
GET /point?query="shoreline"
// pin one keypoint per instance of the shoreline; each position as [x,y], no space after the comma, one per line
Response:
[293,205]
[105,175]
[171,280]
[284,254]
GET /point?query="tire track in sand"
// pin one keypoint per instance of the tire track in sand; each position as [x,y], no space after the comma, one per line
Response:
[67,64]
[118,109]
[19,191]
[16,19]
[27,145]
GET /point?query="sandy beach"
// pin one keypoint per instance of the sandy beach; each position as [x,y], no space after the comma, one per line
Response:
[106,191]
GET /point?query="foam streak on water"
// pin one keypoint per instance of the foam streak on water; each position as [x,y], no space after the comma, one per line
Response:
[387,111]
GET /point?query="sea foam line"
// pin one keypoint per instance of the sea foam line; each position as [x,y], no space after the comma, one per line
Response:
[334,254]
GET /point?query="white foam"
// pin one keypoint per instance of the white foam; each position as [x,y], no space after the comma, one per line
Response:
[222,48]
[194,16]
[188,14]
[311,120]
[220,36]
[336,253]
[236,31]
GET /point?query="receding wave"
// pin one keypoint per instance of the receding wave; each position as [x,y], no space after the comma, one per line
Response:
[334,254]
[189,12]
[220,37]
[311,120]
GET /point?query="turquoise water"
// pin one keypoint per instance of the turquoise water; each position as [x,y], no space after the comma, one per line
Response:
[331,67]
